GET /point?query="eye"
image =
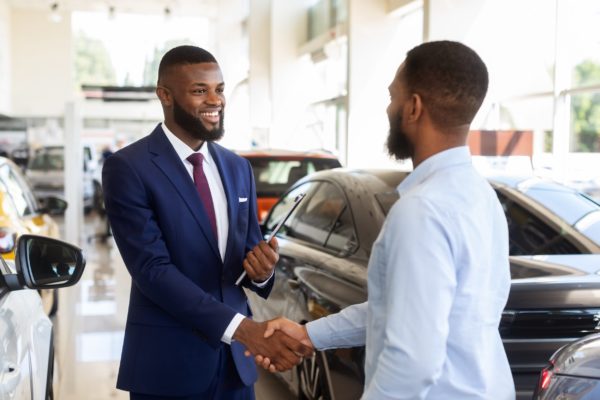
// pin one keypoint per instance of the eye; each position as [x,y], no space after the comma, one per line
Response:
[199,91]
[220,90]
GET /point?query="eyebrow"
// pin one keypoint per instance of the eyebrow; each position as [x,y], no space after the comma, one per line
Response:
[206,84]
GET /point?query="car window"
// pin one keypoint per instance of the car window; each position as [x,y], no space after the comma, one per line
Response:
[283,206]
[48,160]
[529,234]
[16,191]
[571,206]
[273,177]
[325,220]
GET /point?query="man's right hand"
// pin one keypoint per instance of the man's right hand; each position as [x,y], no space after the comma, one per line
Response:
[282,351]
[288,327]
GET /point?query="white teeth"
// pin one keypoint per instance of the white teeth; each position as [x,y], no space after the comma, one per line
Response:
[210,114]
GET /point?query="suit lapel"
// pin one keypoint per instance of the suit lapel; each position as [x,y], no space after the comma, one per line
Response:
[230,193]
[167,160]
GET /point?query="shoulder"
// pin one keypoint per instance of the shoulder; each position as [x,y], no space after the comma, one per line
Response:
[229,156]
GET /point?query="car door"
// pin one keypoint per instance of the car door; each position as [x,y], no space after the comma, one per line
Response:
[316,276]
[15,349]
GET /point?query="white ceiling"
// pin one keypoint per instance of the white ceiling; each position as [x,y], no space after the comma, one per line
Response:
[177,7]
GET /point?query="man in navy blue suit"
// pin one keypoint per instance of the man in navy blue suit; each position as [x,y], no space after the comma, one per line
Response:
[183,214]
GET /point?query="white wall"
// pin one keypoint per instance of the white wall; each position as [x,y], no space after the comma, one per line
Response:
[232,54]
[290,92]
[5,46]
[41,64]
[378,43]
[259,85]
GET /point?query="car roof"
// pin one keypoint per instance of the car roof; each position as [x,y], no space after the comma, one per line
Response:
[286,154]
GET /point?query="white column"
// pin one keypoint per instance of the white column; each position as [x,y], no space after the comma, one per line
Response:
[259,77]
[73,174]
[377,45]
[231,25]
[289,89]
[5,46]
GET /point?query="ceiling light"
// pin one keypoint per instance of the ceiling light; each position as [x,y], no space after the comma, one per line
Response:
[54,13]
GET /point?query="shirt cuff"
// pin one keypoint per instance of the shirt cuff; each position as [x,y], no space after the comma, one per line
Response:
[263,283]
[231,328]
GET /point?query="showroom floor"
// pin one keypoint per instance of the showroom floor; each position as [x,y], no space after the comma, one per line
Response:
[90,322]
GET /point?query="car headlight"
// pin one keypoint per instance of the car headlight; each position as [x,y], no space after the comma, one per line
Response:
[8,239]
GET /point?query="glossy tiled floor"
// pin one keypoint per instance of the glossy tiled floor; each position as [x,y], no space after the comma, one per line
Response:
[90,322]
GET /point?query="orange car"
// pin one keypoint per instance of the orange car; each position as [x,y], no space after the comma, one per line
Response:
[276,170]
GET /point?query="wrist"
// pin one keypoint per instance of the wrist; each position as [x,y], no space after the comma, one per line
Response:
[243,331]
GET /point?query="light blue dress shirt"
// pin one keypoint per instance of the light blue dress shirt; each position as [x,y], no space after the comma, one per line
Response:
[438,280]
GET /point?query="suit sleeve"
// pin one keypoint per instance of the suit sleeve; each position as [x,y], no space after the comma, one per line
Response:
[146,256]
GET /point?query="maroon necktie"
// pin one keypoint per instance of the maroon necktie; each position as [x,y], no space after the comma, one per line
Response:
[201,183]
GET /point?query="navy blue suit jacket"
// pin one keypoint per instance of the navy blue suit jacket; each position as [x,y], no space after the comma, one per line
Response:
[183,295]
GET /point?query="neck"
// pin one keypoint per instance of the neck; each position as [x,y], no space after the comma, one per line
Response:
[434,141]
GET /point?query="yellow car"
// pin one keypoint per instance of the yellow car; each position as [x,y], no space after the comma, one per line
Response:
[21,213]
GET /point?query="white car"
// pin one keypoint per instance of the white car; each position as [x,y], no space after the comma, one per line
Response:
[26,340]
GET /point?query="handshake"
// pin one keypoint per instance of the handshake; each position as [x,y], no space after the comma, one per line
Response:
[277,345]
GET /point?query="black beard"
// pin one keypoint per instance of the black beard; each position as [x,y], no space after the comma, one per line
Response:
[398,144]
[194,125]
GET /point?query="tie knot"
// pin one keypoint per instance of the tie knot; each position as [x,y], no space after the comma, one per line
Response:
[196,159]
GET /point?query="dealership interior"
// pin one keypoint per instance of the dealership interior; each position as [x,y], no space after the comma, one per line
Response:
[306,83]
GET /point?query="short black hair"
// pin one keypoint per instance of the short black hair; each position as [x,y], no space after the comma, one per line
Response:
[451,79]
[185,54]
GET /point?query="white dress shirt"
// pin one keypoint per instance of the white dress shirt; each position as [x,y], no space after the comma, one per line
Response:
[438,280]
[220,204]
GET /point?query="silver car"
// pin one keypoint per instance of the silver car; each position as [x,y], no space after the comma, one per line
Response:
[46,173]
[26,341]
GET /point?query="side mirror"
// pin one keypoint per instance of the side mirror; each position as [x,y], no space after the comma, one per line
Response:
[47,263]
[52,205]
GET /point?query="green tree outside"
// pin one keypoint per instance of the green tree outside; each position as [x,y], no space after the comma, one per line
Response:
[585,109]
[151,67]
[93,65]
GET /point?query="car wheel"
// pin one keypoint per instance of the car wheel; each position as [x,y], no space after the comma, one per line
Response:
[314,380]
[49,301]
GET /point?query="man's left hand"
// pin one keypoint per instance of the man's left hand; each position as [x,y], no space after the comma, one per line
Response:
[259,262]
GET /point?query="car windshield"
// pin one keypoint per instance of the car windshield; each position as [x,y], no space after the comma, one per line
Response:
[575,208]
[273,176]
[48,160]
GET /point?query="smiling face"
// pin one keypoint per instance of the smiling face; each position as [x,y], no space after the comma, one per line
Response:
[193,101]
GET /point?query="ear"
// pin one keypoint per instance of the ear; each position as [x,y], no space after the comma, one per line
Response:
[164,95]
[416,107]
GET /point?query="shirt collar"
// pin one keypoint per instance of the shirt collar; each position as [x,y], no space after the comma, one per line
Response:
[183,150]
[439,161]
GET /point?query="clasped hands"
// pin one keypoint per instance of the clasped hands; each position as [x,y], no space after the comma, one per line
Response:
[277,345]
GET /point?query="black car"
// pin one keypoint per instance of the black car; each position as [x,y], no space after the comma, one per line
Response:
[573,372]
[326,243]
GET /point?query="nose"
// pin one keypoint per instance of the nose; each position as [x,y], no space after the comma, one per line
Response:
[214,98]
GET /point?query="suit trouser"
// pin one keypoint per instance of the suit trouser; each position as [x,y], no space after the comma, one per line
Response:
[226,385]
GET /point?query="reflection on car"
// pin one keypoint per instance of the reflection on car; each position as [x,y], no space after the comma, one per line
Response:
[27,351]
[326,243]
[573,372]
[276,170]
[20,213]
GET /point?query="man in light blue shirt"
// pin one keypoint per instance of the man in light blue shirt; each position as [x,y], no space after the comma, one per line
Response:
[438,276]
